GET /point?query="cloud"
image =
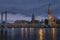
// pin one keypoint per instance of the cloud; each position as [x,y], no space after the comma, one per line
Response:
[13,17]
[40,18]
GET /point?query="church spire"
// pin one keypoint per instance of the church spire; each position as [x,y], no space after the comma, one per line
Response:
[49,14]
[49,9]
[49,4]
[33,18]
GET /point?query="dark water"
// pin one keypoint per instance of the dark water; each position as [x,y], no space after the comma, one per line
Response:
[29,34]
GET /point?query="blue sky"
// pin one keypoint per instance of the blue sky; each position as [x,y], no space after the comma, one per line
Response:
[23,9]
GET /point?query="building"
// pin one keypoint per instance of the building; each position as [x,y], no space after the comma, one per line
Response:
[51,18]
[52,23]
[21,22]
[33,20]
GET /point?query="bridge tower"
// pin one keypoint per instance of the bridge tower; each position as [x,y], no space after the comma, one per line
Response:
[4,19]
[4,25]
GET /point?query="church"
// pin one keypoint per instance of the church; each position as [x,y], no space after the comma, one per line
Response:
[51,18]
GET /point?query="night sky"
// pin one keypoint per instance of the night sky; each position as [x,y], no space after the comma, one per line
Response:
[23,9]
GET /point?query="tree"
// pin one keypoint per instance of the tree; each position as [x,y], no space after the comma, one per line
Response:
[46,21]
[58,21]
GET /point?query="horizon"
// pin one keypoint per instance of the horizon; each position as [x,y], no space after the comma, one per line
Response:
[12,17]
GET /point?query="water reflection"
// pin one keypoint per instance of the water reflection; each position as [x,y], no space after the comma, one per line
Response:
[32,33]
[54,33]
[41,33]
[22,32]
[12,33]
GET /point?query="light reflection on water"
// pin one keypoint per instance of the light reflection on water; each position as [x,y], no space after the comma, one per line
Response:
[41,33]
[32,33]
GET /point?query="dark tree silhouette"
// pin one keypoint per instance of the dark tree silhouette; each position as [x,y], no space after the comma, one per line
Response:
[46,21]
[58,21]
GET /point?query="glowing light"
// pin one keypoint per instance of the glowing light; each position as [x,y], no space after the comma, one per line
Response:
[22,32]
[41,34]
[12,33]
[26,32]
[53,29]
[50,17]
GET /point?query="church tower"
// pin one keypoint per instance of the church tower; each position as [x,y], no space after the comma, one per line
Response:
[49,15]
[33,18]
[51,18]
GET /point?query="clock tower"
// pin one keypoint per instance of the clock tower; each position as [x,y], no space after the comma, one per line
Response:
[49,15]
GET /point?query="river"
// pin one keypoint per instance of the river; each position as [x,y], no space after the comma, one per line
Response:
[32,33]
